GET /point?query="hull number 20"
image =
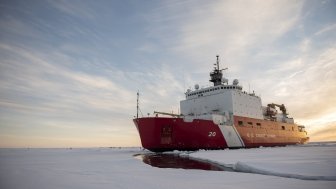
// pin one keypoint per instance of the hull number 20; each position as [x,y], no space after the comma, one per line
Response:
[212,134]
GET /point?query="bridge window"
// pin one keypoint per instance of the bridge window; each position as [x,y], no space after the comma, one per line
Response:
[258,124]
[240,123]
[250,123]
[283,127]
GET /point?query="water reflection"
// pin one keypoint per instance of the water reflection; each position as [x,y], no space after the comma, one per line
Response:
[177,162]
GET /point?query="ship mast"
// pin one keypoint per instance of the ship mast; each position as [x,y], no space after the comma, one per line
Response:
[217,75]
[217,62]
[137,105]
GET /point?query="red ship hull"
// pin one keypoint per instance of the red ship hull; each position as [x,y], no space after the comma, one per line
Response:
[166,134]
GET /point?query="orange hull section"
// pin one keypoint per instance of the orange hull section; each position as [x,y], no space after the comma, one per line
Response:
[268,133]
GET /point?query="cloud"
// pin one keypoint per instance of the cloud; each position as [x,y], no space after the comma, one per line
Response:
[74,8]
[233,28]
[39,76]
[77,68]
[33,87]
[326,132]
[308,85]
[328,28]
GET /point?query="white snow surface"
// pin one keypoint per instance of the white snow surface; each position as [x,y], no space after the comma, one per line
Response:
[117,168]
[311,162]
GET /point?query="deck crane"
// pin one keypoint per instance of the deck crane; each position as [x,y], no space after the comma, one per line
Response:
[281,107]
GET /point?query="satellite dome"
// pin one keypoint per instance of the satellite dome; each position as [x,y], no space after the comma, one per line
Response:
[235,82]
[224,80]
[196,86]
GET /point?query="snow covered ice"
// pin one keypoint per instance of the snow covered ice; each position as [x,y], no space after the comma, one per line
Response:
[308,162]
[118,168]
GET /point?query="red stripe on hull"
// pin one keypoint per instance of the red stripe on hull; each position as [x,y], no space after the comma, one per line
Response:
[163,134]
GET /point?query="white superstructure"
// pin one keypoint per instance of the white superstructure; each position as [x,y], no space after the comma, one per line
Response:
[228,100]
[222,98]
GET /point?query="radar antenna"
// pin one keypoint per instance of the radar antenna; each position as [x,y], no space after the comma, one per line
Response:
[217,75]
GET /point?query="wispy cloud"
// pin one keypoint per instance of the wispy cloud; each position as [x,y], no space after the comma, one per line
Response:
[232,28]
[325,132]
[69,70]
[39,76]
[75,8]
[307,84]
[33,87]
[328,28]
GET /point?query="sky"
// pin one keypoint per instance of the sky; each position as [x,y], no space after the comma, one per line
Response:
[70,70]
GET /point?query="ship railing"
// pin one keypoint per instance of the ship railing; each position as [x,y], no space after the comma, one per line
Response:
[169,114]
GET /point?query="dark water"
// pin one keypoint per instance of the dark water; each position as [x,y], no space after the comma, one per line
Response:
[179,162]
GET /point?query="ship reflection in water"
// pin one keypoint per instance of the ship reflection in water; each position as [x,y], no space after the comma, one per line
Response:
[177,162]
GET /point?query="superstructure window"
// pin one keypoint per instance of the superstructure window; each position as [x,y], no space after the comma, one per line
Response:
[283,127]
[250,123]
[240,123]
[258,124]
[301,129]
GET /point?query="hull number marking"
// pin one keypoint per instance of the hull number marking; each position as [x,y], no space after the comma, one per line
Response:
[212,134]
